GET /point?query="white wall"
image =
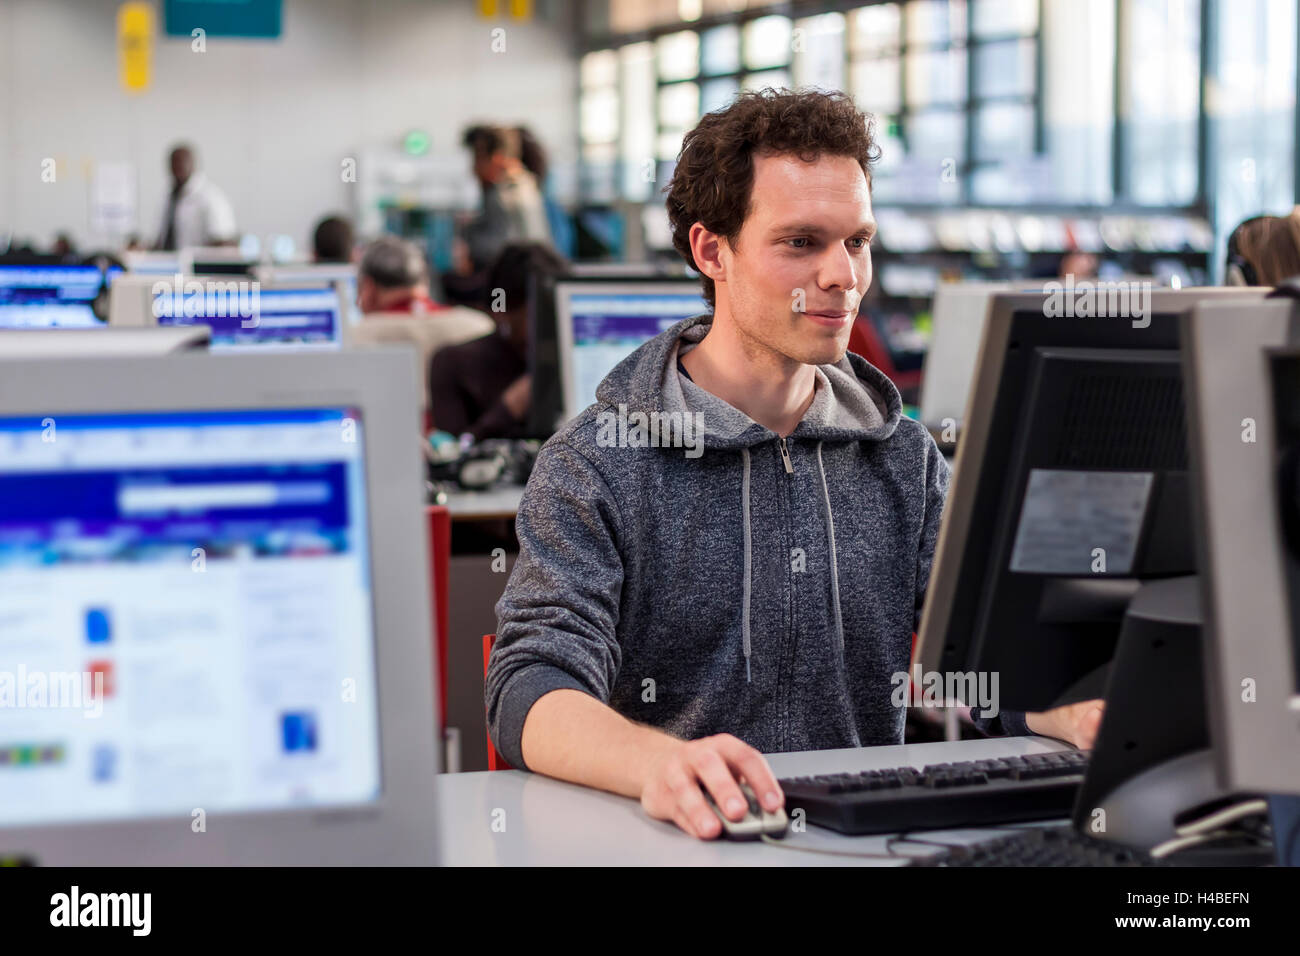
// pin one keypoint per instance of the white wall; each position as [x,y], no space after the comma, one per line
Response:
[272,119]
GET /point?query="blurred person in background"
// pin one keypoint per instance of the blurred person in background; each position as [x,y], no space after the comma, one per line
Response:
[197,212]
[1264,250]
[533,155]
[513,209]
[64,247]
[1080,265]
[393,295]
[394,280]
[482,387]
[333,240]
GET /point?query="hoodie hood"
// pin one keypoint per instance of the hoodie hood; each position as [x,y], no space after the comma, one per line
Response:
[854,401]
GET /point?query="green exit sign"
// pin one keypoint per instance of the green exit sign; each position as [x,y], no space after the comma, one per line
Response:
[416,142]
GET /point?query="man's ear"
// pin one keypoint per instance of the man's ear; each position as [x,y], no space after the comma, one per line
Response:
[707,248]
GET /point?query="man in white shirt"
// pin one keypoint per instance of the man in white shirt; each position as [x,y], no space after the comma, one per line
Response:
[197,212]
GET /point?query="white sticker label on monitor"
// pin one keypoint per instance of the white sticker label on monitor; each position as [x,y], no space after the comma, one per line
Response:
[1081,522]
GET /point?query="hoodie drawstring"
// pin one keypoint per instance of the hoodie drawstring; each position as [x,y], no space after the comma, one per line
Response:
[835,571]
[744,509]
[830,535]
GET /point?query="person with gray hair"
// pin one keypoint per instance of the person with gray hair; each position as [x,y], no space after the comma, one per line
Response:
[393,295]
[393,277]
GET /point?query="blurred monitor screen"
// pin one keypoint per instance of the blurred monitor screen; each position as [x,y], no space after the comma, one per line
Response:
[189,590]
[244,316]
[50,296]
[599,325]
[306,273]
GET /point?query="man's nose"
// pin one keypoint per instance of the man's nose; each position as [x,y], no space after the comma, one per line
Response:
[837,270]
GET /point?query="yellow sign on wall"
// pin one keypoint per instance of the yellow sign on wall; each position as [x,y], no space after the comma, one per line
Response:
[135,45]
[519,9]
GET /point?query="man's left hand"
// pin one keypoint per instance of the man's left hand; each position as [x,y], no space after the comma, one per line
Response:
[1074,723]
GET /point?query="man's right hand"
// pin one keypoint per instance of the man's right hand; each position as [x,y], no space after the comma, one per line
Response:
[671,787]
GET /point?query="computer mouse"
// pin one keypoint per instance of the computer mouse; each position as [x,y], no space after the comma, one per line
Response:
[756,822]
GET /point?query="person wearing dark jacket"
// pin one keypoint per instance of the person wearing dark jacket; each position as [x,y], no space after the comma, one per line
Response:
[482,387]
[726,554]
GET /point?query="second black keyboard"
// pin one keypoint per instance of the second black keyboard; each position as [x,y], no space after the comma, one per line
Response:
[941,796]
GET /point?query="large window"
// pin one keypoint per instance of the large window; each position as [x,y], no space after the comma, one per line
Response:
[952,84]
[1253,112]
[1093,103]
[1160,72]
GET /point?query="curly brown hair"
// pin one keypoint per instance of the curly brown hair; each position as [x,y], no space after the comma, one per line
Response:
[714,178]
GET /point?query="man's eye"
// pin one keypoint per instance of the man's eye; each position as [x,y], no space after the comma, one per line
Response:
[860,242]
[801,239]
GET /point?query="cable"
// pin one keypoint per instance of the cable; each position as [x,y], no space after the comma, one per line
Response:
[1170,847]
[770,841]
[1162,850]
[889,853]
[1221,818]
[1212,827]
[904,838]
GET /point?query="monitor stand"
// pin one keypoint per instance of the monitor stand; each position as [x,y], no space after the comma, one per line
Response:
[1152,767]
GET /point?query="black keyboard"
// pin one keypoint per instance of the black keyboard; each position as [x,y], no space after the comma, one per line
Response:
[940,796]
[1041,846]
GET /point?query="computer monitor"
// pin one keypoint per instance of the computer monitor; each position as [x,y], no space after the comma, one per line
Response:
[13,258]
[67,343]
[130,298]
[960,309]
[957,325]
[1243,371]
[306,273]
[600,323]
[157,263]
[1066,560]
[220,260]
[243,315]
[1071,486]
[52,296]
[212,571]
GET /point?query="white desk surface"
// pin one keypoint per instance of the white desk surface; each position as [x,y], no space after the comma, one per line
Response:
[501,501]
[550,823]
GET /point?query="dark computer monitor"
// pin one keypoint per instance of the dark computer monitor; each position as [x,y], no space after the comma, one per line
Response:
[33,259]
[48,296]
[1066,558]
[219,260]
[1071,487]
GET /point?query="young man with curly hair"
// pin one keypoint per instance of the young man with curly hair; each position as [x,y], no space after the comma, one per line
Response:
[675,614]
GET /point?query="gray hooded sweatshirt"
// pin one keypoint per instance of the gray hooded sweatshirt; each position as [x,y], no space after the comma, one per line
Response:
[763,588]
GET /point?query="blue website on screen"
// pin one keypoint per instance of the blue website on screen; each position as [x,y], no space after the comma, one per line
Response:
[185,615]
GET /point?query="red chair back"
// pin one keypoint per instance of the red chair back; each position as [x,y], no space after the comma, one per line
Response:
[495,760]
[866,341]
[439,519]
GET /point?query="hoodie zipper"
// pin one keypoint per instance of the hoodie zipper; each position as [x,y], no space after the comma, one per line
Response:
[785,457]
